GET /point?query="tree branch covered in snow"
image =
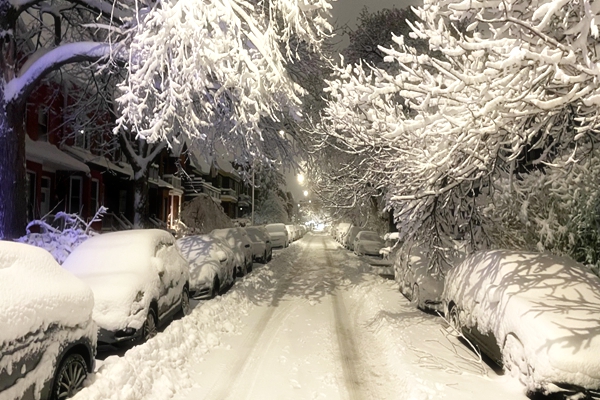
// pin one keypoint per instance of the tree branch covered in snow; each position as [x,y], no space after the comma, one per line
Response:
[196,64]
[513,96]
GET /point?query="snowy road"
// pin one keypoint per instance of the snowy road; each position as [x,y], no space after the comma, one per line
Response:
[315,323]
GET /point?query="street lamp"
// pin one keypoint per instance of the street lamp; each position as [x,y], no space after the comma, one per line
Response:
[306,193]
[300,179]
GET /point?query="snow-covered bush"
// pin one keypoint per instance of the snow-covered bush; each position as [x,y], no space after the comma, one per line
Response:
[61,236]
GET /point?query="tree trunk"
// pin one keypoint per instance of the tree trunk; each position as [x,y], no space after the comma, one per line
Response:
[13,198]
[140,202]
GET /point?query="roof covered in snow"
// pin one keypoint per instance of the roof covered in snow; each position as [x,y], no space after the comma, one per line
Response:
[51,157]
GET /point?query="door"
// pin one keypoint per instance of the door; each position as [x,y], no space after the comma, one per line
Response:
[45,196]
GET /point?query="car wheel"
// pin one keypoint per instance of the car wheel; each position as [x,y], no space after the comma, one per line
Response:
[69,377]
[414,296]
[150,327]
[454,320]
[215,288]
[513,359]
[264,258]
[249,267]
[185,302]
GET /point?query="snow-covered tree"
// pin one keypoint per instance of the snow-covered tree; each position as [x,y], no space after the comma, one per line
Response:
[194,67]
[516,92]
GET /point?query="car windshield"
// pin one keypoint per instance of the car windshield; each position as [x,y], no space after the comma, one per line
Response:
[372,236]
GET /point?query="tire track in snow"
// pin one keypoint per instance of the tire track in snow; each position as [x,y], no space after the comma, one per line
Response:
[347,345]
[225,386]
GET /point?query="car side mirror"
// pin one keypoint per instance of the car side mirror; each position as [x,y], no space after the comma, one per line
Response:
[221,256]
[493,294]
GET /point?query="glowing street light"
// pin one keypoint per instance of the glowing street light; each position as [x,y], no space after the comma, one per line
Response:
[305,193]
[300,179]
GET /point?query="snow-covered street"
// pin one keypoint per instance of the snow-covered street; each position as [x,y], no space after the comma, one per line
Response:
[315,323]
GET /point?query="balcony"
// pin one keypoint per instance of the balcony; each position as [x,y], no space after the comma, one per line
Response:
[212,191]
[244,200]
[229,195]
[174,181]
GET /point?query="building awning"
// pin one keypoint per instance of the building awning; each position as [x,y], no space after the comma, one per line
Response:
[87,157]
[165,184]
[51,157]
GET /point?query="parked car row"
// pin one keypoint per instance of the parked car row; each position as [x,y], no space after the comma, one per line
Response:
[358,239]
[536,315]
[113,288]
[282,235]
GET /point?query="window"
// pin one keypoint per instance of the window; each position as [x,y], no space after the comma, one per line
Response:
[94,196]
[42,124]
[83,140]
[75,186]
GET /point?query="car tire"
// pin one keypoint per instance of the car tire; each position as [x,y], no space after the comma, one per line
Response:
[249,267]
[185,302]
[454,320]
[150,327]
[513,359]
[69,377]
[215,288]
[264,258]
[414,296]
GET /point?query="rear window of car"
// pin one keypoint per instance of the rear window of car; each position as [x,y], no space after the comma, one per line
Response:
[369,236]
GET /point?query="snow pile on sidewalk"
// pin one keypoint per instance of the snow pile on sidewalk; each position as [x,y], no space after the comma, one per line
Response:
[201,215]
[159,368]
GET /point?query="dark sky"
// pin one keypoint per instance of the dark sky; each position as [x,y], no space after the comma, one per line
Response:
[346,11]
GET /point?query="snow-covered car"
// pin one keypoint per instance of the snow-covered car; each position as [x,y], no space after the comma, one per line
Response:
[392,245]
[261,243]
[367,243]
[139,280]
[238,241]
[341,230]
[536,314]
[350,236]
[211,264]
[291,230]
[416,280]
[47,335]
[279,235]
